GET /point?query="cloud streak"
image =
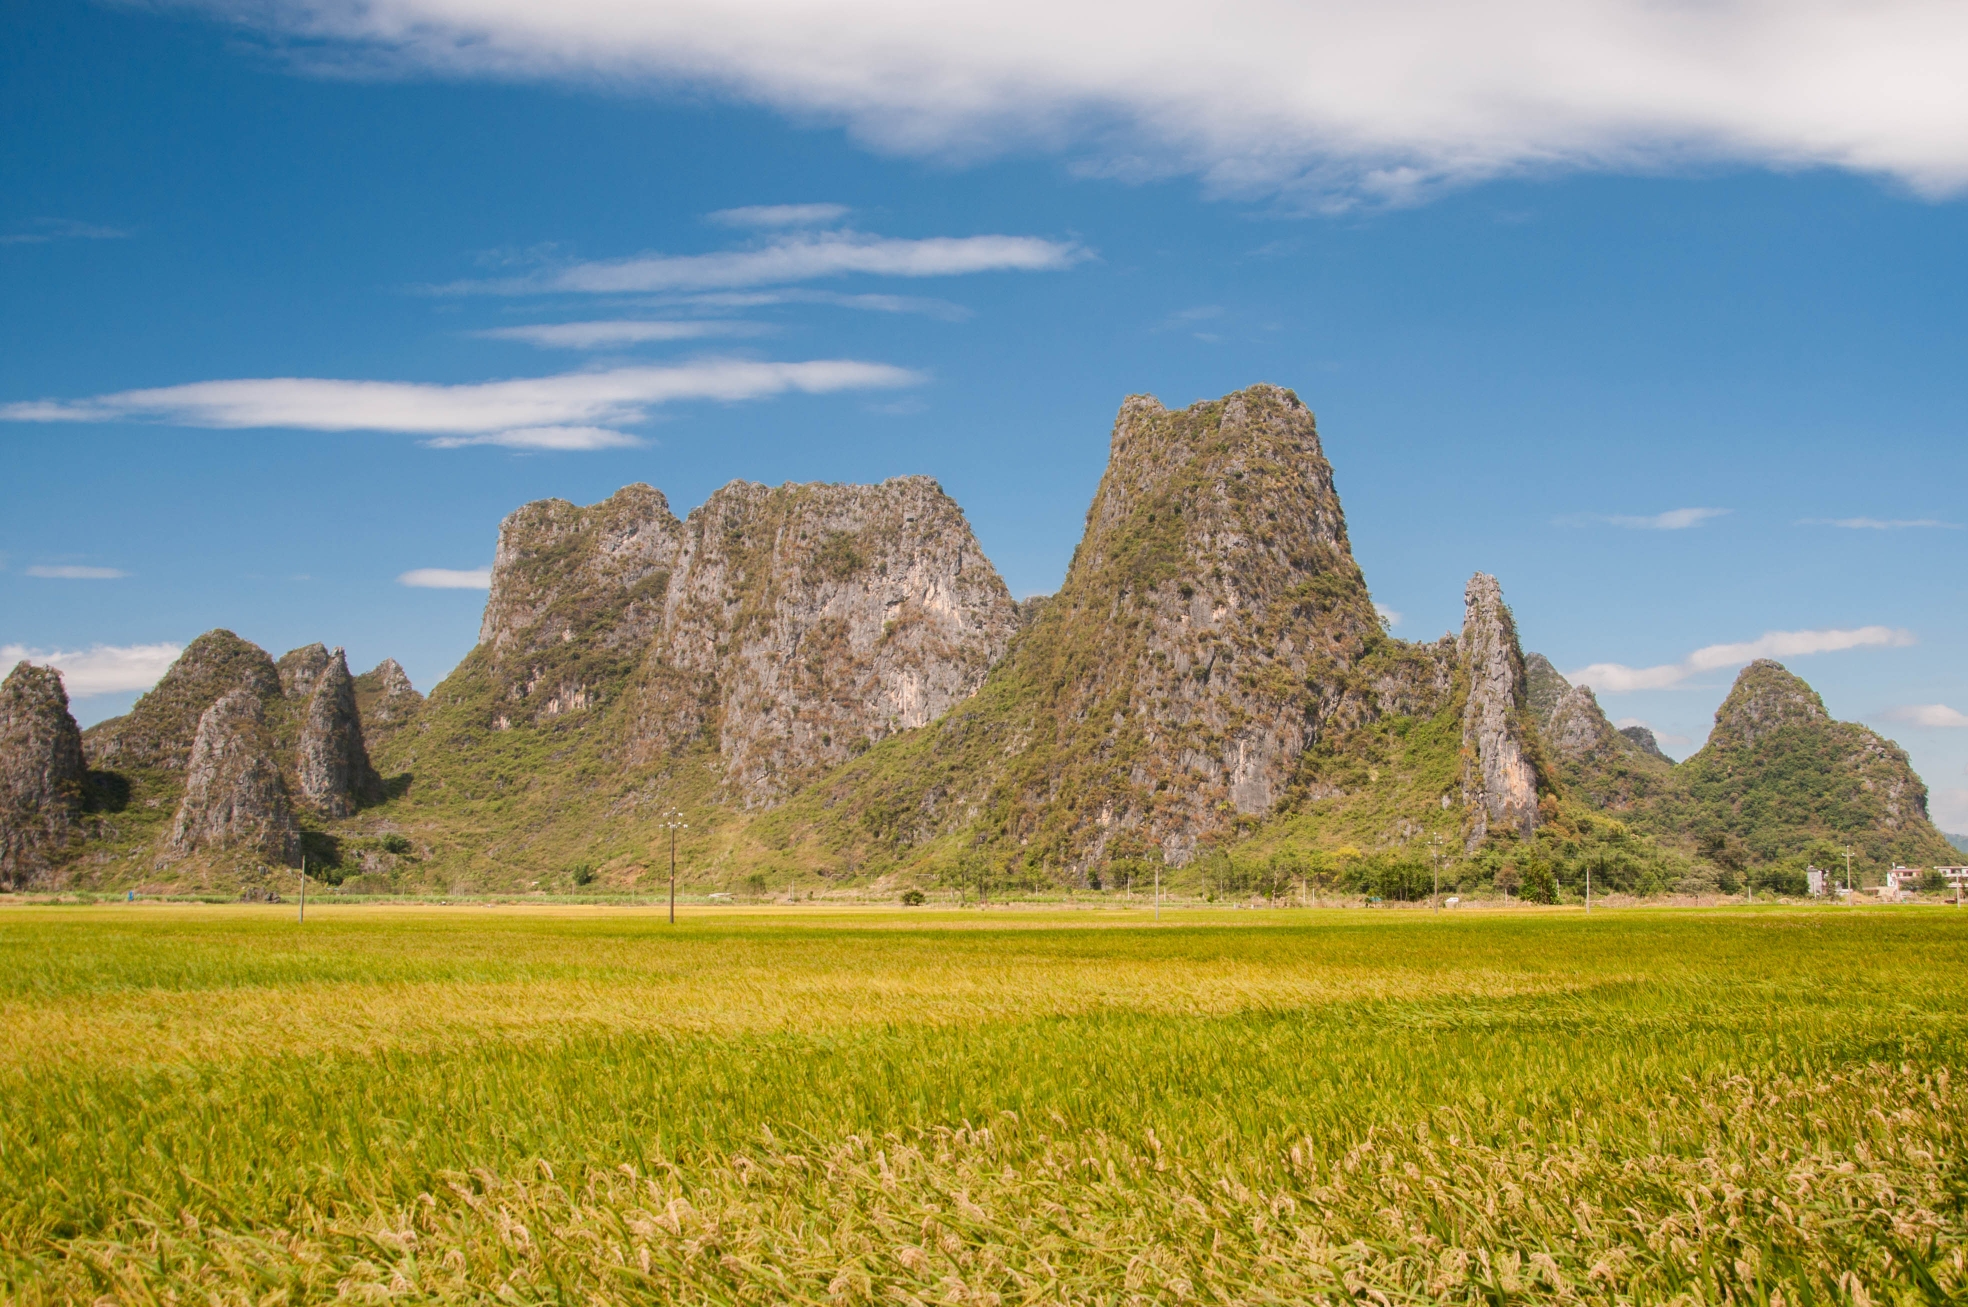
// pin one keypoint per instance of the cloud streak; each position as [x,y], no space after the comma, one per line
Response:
[74,572]
[1617,678]
[1925,714]
[445,578]
[533,412]
[788,259]
[629,331]
[1674,519]
[1881,523]
[101,668]
[780,215]
[1379,102]
[44,230]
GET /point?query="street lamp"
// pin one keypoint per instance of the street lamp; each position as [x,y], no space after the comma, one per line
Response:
[673,822]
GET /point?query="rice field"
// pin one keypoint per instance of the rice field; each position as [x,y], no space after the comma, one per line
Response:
[410,1104]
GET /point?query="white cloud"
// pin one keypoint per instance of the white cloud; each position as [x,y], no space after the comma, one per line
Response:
[1880,523]
[514,408]
[875,303]
[786,259]
[1925,714]
[43,230]
[1377,100]
[1617,678]
[562,439]
[600,335]
[1388,617]
[72,572]
[1674,519]
[101,668]
[445,578]
[780,215]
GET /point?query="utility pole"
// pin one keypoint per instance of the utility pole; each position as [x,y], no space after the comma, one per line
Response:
[1848,873]
[673,822]
[1158,891]
[1435,856]
[303,916]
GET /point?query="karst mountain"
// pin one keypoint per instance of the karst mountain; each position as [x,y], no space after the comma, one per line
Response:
[834,686]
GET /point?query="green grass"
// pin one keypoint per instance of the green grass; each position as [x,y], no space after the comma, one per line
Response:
[836,1106]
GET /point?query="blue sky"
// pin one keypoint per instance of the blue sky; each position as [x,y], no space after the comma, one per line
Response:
[1539,337]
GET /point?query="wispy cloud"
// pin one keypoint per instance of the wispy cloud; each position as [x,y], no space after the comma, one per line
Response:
[561,439]
[1674,519]
[43,230]
[627,331]
[1617,678]
[74,572]
[1333,100]
[445,578]
[1925,714]
[1388,617]
[101,668]
[794,258]
[519,409]
[873,303]
[1881,523]
[780,215]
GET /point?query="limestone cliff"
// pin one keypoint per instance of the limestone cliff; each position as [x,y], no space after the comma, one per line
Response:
[1501,771]
[1778,772]
[805,622]
[1599,765]
[41,773]
[332,762]
[577,594]
[299,670]
[234,799]
[1210,622]
[160,730]
[385,699]
[1643,740]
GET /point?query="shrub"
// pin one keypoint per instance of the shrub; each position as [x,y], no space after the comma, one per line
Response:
[915,898]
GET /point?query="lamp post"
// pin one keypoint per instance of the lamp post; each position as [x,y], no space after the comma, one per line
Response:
[673,822]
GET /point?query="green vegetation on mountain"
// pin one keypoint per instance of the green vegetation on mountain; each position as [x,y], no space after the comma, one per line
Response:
[833,686]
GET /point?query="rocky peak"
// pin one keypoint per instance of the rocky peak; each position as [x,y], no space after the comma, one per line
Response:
[160,730]
[300,668]
[1765,698]
[386,699]
[1643,740]
[1577,728]
[234,797]
[1543,686]
[1500,774]
[1204,632]
[41,771]
[333,763]
[805,622]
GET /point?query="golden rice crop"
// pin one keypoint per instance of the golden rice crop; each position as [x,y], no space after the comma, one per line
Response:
[519,1106]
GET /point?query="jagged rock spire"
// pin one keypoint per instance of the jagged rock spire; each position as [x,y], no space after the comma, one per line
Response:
[160,730]
[301,668]
[386,699]
[41,771]
[1500,775]
[333,764]
[234,797]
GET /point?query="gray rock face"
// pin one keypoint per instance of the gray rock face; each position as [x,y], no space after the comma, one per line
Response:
[1643,740]
[1578,729]
[41,771]
[386,699]
[234,797]
[1500,779]
[1765,698]
[300,669]
[803,623]
[160,730]
[332,765]
[1543,685]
